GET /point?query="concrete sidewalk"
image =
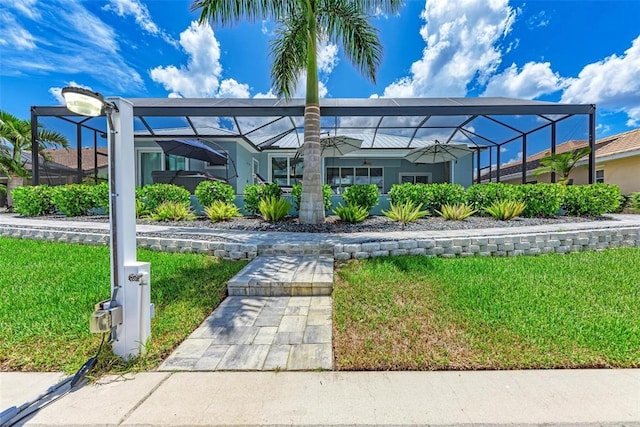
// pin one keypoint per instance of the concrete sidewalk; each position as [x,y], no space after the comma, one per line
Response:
[550,397]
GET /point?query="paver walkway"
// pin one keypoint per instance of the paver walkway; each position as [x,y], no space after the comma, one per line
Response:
[259,333]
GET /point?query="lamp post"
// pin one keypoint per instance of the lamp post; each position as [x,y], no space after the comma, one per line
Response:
[127,314]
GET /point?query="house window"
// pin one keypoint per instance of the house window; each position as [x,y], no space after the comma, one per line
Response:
[415,178]
[149,160]
[600,175]
[286,170]
[341,177]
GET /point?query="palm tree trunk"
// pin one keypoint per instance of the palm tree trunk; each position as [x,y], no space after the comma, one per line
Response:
[13,183]
[311,204]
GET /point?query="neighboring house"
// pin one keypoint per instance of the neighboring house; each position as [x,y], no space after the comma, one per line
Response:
[51,172]
[617,162]
[90,159]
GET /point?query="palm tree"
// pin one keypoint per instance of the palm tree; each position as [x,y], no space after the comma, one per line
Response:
[301,24]
[561,164]
[15,140]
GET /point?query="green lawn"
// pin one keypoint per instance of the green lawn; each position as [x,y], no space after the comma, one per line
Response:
[552,311]
[48,291]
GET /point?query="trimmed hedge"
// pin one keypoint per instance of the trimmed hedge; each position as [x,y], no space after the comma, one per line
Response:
[481,196]
[296,194]
[431,196]
[33,201]
[208,192]
[635,200]
[153,195]
[591,200]
[254,193]
[363,195]
[542,200]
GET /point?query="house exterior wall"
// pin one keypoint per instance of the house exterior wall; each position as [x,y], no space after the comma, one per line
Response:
[463,171]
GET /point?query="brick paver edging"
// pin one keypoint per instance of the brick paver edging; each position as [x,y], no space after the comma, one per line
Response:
[503,245]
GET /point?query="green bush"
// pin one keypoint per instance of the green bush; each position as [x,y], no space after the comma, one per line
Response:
[296,194]
[254,193]
[221,211]
[208,192]
[363,195]
[33,201]
[480,196]
[154,195]
[635,200]
[173,211]
[591,200]
[542,200]
[430,196]
[274,209]
[73,199]
[456,212]
[505,210]
[405,212]
[351,213]
[100,196]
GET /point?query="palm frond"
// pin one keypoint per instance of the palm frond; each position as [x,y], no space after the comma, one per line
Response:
[346,21]
[289,50]
[231,12]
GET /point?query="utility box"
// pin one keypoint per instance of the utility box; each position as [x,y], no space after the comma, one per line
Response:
[135,297]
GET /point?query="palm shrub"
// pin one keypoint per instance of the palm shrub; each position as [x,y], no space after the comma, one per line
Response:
[363,195]
[456,212]
[73,199]
[274,208]
[173,211]
[405,212]
[561,163]
[505,210]
[221,211]
[480,196]
[254,193]
[541,200]
[351,213]
[33,201]
[591,200]
[154,195]
[208,192]
[327,193]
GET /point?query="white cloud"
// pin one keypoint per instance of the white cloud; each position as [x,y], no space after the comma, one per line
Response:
[612,83]
[517,158]
[141,14]
[201,76]
[327,57]
[462,44]
[66,38]
[57,91]
[15,35]
[533,80]
[26,7]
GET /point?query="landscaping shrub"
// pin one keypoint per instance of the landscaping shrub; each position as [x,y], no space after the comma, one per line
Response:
[455,212]
[405,212]
[154,195]
[100,196]
[296,193]
[363,195]
[431,196]
[505,210]
[591,200]
[274,208]
[208,192]
[173,211]
[73,199]
[254,193]
[221,211]
[351,213]
[635,201]
[33,201]
[541,200]
[480,196]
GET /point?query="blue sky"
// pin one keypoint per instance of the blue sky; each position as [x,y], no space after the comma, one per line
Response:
[562,50]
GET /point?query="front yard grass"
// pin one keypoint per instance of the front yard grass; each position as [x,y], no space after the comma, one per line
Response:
[48,291]
[553,311]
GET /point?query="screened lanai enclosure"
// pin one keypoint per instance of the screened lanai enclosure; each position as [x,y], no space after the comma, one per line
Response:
[364,141]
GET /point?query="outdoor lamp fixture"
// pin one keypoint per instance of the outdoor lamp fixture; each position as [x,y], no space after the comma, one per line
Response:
[85,102]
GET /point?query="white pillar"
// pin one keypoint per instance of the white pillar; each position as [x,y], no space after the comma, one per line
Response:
[132,276]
